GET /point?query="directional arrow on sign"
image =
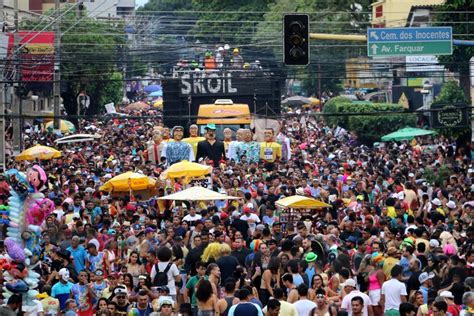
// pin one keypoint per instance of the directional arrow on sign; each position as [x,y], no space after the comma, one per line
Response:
[374,35]
[374,49]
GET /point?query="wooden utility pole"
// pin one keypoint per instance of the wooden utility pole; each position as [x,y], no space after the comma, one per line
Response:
[16,102]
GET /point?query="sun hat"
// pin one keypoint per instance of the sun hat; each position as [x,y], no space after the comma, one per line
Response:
[311,257]
[451,205]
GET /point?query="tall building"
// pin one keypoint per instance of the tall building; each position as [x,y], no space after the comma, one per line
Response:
[395,13]
[96,8]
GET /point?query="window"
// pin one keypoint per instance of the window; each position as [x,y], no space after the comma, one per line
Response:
[379,11]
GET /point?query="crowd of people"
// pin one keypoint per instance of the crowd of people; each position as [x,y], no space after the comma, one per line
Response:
[396,239]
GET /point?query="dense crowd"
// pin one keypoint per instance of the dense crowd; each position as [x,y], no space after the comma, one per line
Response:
[396,240]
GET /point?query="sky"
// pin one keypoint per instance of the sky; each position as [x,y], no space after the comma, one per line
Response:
[140,2]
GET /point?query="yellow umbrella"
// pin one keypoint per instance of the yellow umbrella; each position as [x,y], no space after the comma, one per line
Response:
[129,181]
[39,152]
[64,126]
[298,201]
[158,104]
[187,170]
[315,101]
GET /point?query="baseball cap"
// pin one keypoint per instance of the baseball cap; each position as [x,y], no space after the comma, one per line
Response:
[447,294]
[211,126]
[349,282]
[425,277]
[120,290]
[149,230]
[89,190]
[436,202]
[165,300]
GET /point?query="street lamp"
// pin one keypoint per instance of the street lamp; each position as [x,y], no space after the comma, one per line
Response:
[32,98]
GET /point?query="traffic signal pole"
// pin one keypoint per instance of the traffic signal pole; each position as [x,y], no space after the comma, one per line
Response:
[340,37]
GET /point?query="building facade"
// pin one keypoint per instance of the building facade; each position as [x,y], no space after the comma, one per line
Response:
[395,13]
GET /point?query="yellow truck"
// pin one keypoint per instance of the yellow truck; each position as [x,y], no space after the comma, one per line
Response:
[225,114]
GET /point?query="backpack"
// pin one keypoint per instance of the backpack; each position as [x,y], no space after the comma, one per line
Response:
[161,277]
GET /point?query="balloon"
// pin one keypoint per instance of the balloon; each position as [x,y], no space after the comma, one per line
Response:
[16,253]
[39,211]
[18,286]
[17,182]
[36,178]
[133,312]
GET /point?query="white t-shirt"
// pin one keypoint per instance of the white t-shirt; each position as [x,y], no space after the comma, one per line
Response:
[172,273]
[33,310]
[304,306]
[393,289]
[59,214]
[192,219]
[347,304]
[252,219]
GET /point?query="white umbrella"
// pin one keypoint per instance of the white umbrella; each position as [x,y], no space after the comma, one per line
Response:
[77,138]
[197,194]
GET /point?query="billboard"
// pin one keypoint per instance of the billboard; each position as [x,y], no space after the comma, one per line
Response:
[36,55]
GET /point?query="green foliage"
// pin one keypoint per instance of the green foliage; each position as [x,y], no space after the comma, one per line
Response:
[459,16]
[437,177]
[240,20]
[166,5]
[89,55]
[369,128]
[335,105]
[450,94]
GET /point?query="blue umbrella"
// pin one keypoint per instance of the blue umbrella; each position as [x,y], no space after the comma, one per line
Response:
[152,88]
[158,93]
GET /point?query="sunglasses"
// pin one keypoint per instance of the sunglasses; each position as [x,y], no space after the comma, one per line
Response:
[320,296]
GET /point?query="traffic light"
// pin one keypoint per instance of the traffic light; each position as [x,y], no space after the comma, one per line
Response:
[296,39]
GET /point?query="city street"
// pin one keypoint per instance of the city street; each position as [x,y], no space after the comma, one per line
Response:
[251,158]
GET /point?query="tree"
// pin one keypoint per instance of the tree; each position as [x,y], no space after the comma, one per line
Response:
[228,22]
[89,57]
[369,127]
[166,5]
[459,16]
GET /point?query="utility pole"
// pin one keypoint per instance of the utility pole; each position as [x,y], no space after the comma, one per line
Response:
[2,98]
[57,73]
[471,71]
[16,103]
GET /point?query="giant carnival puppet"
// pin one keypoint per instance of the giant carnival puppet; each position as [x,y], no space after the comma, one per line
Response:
[26,211]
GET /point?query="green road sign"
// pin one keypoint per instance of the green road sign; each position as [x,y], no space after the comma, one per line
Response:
[409,41]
